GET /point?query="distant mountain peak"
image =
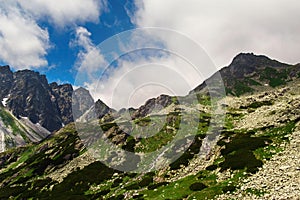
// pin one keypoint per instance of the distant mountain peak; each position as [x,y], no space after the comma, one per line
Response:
[254,61]
[248,71]
[5,67]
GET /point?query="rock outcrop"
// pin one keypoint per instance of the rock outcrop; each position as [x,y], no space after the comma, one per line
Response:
[62,96]
[82,101]
[30,96]
[152,105]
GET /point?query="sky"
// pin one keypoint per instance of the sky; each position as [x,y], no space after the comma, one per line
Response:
[78,41]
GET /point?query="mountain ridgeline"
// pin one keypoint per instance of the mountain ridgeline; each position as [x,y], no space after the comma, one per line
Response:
[28,94]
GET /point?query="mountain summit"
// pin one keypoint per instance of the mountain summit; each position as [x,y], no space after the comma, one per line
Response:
[249,72]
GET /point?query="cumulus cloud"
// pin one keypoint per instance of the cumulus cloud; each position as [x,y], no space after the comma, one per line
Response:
[65,12]
[23,42]
[134,66]
[225,28]
[222,28]
[134,82]
[89,61]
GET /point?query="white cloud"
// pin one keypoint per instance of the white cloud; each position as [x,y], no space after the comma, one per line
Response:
[89,59]
[222,28]
[65,12]
[225,28]
[23,42]
[140,68]
[134,82]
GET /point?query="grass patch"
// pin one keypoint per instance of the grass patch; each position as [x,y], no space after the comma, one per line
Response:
[241,88]
[10,121]
[255,192]
[238,153]
[275,77]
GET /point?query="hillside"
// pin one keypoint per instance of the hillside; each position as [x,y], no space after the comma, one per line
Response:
[18,132]
[178,151]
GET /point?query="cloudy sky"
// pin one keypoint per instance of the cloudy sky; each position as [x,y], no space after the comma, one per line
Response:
[65,39]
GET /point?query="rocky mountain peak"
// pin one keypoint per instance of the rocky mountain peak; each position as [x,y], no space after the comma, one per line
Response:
[246,63]
[4,70]
[152,105]
[30,97]
[247,72]
[26,93]
[101,109]
[82,101]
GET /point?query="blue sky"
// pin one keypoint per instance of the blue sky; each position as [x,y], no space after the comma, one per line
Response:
[59,38]
[61,57]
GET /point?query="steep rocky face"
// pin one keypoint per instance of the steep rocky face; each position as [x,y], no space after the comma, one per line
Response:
[152,105]
[30,97]
[98,110]
[6,79]
[82,101]
[63,98]
[27,94]
[101,109]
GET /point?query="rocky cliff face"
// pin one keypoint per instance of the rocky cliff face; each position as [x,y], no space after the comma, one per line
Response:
[82,101]
[97,110]
[246,63]
[62,96]
[28,94]
[152,105]
[6,79]
[31,108]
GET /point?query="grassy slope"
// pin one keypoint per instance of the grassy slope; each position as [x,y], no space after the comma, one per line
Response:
[25,171]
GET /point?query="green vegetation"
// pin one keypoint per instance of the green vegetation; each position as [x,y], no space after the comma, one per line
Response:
[197,186]
[253,82]
[28,172]
[9,121]
[107,126]
[258,104]
[143,121]
[274,82]
[204,100]
[241,88]
[238,153]
[162,137]
[278,135]
[275,77]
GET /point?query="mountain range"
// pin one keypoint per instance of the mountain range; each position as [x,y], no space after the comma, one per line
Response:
[45,157]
